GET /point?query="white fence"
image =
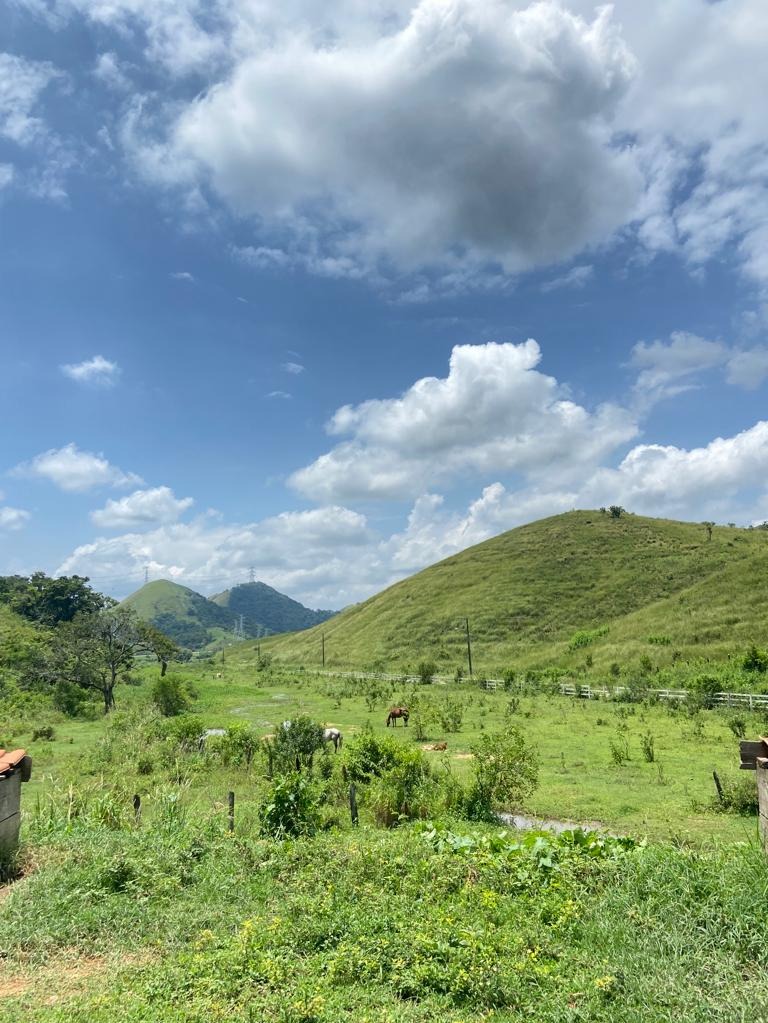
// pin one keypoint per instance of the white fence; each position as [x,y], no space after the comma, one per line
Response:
[750,700]
[753,701]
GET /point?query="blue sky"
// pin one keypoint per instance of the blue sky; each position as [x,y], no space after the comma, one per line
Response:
[334,293]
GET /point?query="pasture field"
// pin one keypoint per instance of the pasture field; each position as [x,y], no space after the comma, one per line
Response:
[173,919]
[669,797]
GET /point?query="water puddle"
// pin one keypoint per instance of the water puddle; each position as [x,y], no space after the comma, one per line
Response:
[523,823]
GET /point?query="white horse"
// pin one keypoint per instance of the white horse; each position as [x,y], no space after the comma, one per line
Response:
[333,735]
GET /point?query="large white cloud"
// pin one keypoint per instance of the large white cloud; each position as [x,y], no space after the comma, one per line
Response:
[157,506]
[494,412]
[475,131]
[71,469]
[318,556]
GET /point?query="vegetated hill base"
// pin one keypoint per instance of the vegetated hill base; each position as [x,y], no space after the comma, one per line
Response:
[538,595]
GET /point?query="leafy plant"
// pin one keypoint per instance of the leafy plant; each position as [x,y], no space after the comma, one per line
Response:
[170,695]
[506,770]
[648,746]
[291,807]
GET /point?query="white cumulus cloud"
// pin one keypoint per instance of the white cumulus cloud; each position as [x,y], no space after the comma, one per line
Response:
[74,470]
[157,506]
[13,518]
[98,371]
[494,412]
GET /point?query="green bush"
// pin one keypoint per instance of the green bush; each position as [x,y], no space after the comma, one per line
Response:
[506,772]
[291,808]
[368,756]
[426,671]
[755,660]
[170,695]
[295,743]
[404,791]
[584,637]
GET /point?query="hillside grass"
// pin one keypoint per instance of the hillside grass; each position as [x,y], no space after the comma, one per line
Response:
[527,592]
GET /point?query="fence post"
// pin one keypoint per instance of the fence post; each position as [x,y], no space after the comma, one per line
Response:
[137,807]
[231,811]
[353,803]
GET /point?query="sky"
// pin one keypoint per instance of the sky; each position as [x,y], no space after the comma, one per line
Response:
[327,292]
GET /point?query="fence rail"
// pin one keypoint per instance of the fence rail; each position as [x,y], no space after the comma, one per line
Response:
[753,701]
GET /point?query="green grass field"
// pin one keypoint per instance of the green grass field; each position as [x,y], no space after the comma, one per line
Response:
[174,920]
[580,781]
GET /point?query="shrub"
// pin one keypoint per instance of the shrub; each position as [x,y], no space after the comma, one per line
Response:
[296,742]
[451,715]
[403,792]
[619,748]
[584,637]
[738,726]
[506,772]
[47,733]
[171,696]
[368,756]
[426,670]
[755,660]
[703,689]
[291,808]
[739,796]
[647,745]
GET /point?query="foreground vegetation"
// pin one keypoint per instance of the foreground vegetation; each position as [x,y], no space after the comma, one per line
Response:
[175,919]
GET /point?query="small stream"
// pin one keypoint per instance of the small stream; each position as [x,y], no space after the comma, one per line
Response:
[523,823]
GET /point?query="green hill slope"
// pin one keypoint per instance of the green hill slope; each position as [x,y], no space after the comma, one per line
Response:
[264,609]
[187,617]
[635,584]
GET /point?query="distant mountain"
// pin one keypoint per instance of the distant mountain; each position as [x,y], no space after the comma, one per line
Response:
[261,606]
[194,621]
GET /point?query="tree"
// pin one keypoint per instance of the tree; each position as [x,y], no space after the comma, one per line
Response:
[709,526]
[95,652]
[295,742]
[48,601]
[156,642]
[506,771]
[616,511]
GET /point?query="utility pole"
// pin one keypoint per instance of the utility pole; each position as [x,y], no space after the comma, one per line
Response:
[322,642]
[146,574]
[251,574]
[469,647]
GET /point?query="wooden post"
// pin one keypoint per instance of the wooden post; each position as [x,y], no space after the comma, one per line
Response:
[353,803]
[718,786]
[137,807]
[231,811]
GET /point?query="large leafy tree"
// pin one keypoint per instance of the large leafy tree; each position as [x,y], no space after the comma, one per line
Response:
[47,601]
[95,652]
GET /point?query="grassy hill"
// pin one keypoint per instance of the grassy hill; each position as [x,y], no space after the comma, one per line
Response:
[195,621]
[542,593]
[264,609]
[187,617]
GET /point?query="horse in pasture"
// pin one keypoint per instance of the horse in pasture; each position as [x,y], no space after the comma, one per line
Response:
[395,713]
[333,735]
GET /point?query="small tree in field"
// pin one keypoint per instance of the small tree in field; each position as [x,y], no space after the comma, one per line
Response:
[616,511]
[709,526]
[95,652]
[506,772]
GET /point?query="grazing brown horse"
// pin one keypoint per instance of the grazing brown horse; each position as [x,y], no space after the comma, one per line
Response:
[395,713]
